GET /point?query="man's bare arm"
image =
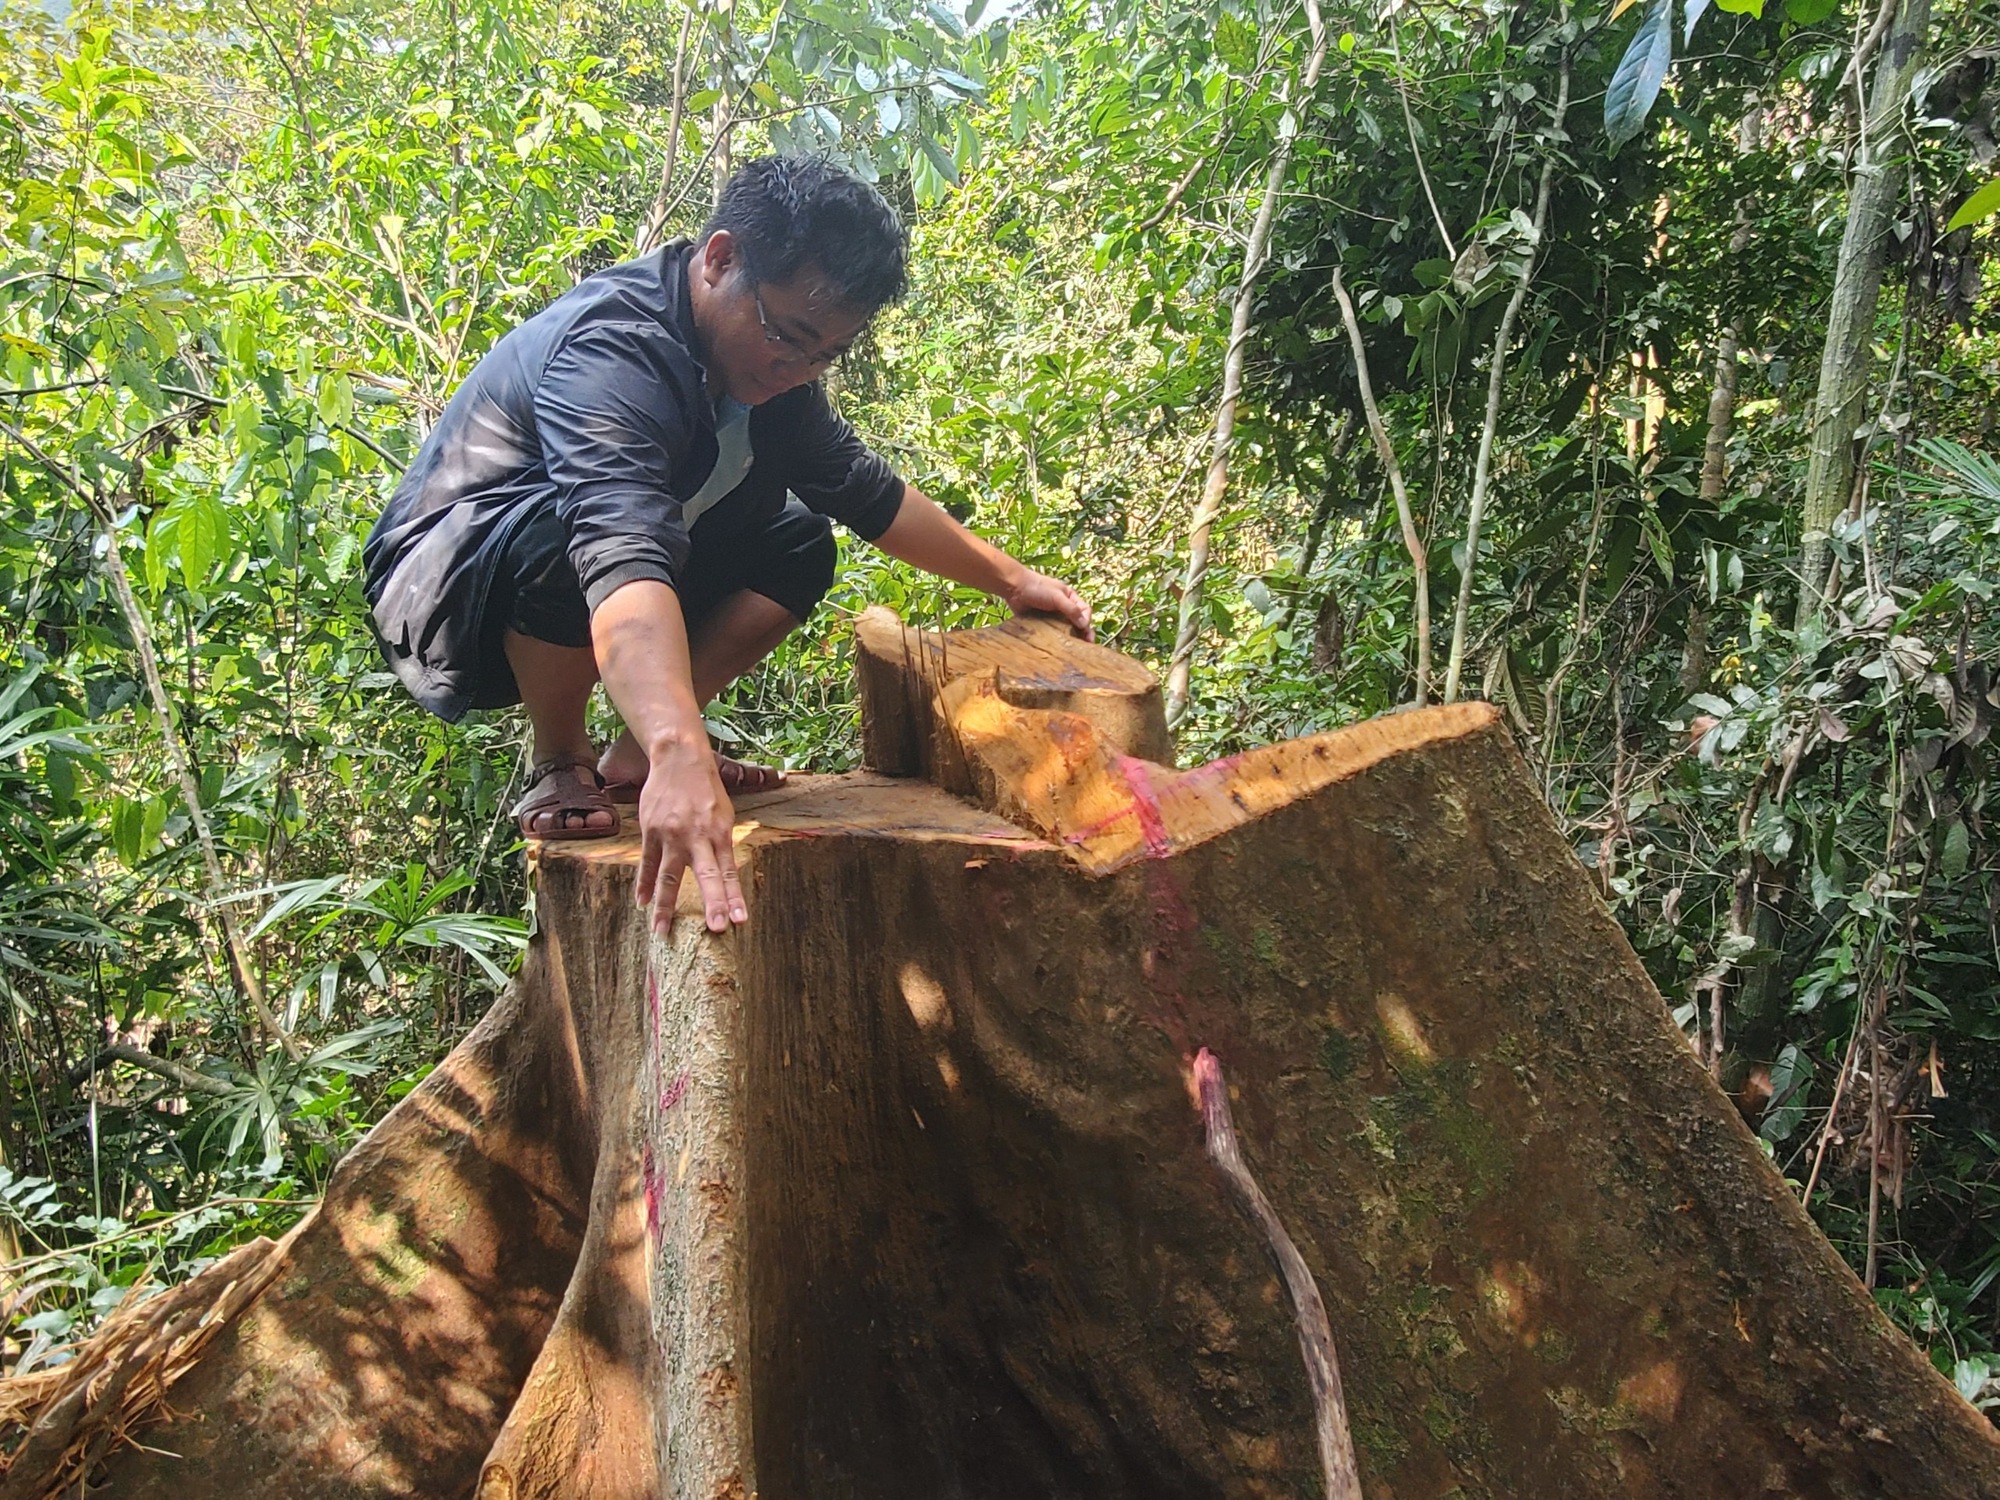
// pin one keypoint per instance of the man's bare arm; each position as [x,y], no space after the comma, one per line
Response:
[685,818]
[925,536]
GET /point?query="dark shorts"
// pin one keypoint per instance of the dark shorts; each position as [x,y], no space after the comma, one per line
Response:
[787,556]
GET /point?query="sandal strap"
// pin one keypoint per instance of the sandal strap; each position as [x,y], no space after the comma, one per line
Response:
[558,786]
[555,763]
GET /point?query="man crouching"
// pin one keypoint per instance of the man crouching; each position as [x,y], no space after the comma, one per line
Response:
[637,486]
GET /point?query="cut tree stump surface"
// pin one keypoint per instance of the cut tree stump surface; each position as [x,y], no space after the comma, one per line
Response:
[901,1189]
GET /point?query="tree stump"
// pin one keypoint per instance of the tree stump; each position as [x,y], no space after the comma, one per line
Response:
[901,1190]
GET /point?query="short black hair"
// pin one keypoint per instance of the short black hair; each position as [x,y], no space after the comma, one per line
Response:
[787,212]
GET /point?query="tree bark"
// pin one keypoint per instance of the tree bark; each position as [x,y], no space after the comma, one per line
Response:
[903,1189]
[1847,360]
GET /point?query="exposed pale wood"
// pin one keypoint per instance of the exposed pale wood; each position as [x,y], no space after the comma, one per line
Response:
[1035,663]
[1052,773]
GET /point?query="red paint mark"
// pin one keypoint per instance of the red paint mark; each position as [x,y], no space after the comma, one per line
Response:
[674,1092]
[1144,808]
[1146,804]
[656,1184]
[1211,1095]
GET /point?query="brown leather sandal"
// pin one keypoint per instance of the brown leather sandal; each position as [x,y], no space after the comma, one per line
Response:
[738,776]
[569,787]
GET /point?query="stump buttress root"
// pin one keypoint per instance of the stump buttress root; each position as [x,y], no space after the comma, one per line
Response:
[898,1191]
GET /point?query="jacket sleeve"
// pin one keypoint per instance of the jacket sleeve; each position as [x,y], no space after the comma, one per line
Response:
[613,414]
[838,475]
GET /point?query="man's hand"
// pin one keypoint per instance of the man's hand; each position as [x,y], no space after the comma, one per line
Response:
[924,536]
[1039,594]
[686,822]
[685,819]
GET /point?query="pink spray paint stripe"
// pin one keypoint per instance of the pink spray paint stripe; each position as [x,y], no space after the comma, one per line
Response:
[655,1192]
[1144,808]
[676,1091]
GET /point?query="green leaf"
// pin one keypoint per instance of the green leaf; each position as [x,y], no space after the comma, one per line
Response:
[1751,8]
[1980,205]
[1636,83]
[335,398]
[940,159]
[128,822]
[1236,43]
[203,532]
[1791,1079]
[1957,851]
[1809,12]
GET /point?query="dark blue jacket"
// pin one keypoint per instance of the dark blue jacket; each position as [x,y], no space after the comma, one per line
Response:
[599,407]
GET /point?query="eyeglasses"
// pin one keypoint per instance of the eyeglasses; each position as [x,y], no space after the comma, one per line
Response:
[796,352]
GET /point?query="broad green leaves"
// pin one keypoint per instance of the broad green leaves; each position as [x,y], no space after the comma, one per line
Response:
[1636,84]
[1983,204]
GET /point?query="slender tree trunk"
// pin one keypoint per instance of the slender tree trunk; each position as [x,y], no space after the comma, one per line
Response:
[1385,450]
[1857,286]
[1482,471]
[653,231]
[1216,487]
[1715,450]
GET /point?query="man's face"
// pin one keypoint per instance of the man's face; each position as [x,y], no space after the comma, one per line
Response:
[763,338]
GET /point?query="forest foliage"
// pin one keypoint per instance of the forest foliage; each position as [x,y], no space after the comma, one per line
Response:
[1348,354]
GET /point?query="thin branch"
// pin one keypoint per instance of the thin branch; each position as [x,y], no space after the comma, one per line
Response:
[1496,386]
[1386,452]
[372,446]
[1410,125]
[1216,488]
[192,1081]
[1173,200]
[1331,1426]
[1864,51]
[655,227]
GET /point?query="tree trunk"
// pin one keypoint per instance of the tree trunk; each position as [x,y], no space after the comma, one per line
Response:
[1846,362]
[922,1184]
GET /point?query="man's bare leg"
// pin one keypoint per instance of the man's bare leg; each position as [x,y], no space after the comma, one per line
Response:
[555,683]
[740,632]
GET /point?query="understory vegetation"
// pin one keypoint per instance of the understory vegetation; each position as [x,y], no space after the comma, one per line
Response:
[1632,364]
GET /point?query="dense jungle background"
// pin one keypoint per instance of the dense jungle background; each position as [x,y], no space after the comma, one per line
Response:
[1632,363]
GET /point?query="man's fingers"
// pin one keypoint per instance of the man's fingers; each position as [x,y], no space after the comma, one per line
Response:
[721,890]
[732,885]
[651,847]
[667,892]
